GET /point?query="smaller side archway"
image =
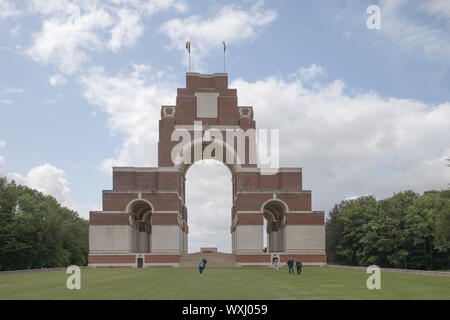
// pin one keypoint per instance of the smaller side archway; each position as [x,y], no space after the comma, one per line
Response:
[140,220]
[275,211]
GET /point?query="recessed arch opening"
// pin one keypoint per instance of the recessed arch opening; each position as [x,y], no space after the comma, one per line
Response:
[140,221]
[274,212]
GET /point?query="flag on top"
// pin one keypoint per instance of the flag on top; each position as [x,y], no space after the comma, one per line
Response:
[224,46]
[188,46]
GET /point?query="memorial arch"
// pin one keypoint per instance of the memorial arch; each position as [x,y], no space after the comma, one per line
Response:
[144,217]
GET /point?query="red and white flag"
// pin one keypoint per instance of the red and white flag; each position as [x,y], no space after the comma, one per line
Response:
[188,46]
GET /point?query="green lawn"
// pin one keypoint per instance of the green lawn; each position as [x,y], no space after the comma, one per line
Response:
[221,283]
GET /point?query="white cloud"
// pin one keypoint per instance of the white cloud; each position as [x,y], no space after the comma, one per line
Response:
[409,35]
[126,31]
[47,7]
[352,144]
[231,24]
[49,180]
[437,7]
[64,39]
[8,10]
[2,164]
[52,181]
[2,143]
[71,30]
[5,101]
[133,103]
[57,80]
[311,73]
[12,90]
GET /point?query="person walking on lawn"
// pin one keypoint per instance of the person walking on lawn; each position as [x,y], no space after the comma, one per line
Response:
[201,266]
[299,266]
[290,264]
[275,265]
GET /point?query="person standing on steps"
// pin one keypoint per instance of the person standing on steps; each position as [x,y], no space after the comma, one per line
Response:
[201,266]
[290,264]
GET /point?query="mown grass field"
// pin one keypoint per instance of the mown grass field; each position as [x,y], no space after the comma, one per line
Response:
[252,283]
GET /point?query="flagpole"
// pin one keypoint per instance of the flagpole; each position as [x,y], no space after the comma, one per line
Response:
[188,48]
[224,50]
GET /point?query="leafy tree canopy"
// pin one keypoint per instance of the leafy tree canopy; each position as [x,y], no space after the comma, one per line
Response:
[37,232]
[407,230]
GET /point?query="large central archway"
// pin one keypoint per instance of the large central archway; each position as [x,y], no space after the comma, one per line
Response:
[209,203]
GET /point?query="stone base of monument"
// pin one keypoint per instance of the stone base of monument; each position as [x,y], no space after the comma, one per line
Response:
[215,259]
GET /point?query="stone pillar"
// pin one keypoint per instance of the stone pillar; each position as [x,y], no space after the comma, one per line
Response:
[143,242]
[305,233]
[149,242]
[249,233]
[166,233]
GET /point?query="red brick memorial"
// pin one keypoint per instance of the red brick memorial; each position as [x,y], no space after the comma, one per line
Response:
[143,221]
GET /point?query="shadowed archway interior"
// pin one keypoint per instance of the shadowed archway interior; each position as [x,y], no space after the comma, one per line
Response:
[274,212]
[140,216]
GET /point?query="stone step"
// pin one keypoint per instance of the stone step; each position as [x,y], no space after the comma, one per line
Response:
[216,259]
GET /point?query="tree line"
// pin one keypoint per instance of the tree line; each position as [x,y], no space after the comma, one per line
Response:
[407,230]
[37,232]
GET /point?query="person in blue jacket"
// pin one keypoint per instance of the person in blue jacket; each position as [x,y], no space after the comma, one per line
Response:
[201,266]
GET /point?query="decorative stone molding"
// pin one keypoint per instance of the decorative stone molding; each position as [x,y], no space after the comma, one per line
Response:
[168,111]
[245,112]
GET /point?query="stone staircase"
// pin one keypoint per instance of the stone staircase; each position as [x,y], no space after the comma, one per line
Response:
[216,259]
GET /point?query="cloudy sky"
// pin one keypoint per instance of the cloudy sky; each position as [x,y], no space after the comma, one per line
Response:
[361,111]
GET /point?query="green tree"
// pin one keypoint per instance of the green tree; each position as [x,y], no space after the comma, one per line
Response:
[36,231]
[442,224]
[406,230]
[354,216]
[333,233]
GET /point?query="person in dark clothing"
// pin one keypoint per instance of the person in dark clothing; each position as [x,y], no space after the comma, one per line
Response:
[290,264]
[205,261]
[299,266]
[275,265]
